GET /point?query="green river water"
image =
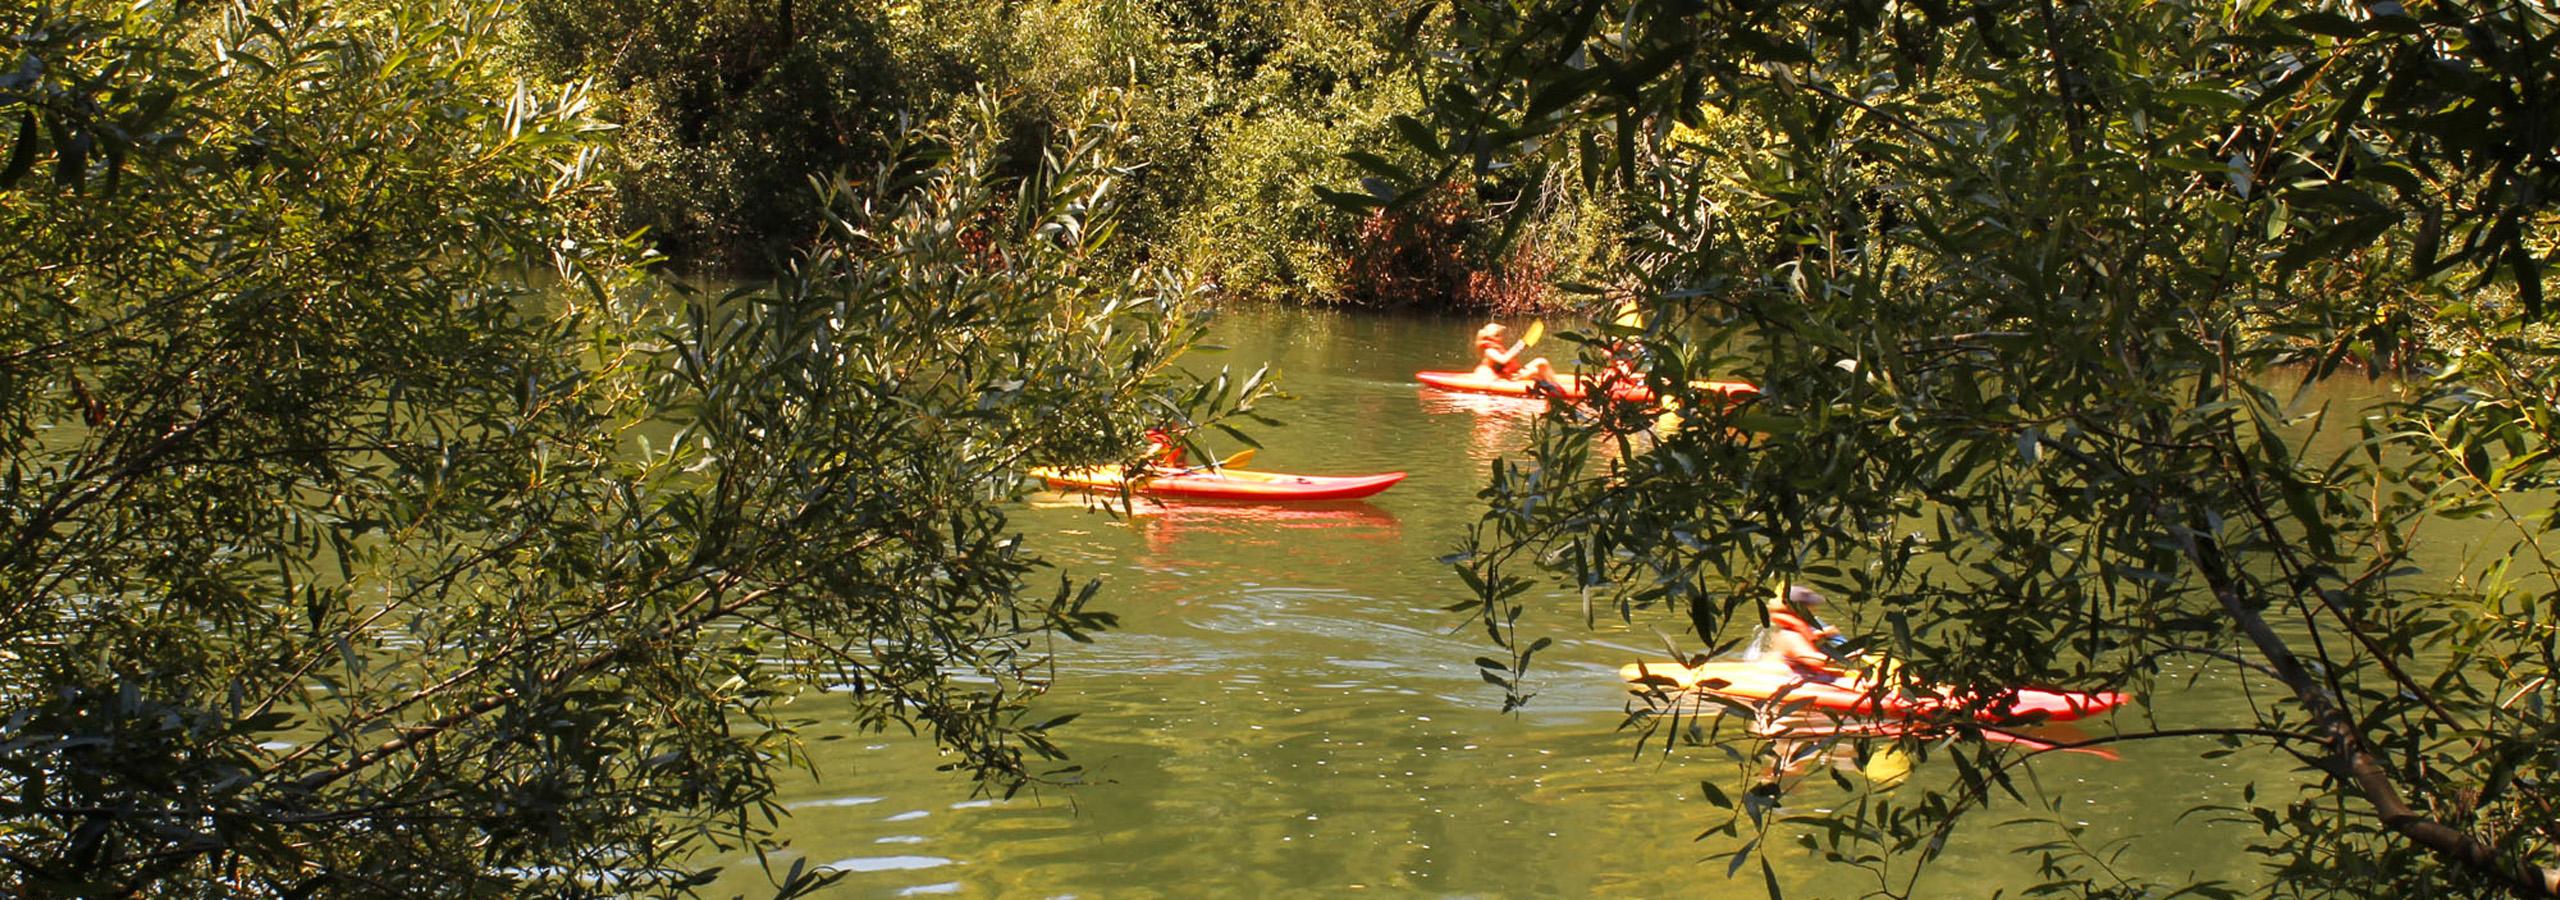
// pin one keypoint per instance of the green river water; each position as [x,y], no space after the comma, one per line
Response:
[1287,711]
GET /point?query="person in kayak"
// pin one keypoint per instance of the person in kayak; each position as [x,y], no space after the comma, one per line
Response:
[1801,640]
[1163,450]
[1496,359]
[1620,374]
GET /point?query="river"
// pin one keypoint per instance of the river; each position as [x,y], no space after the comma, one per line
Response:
[1286,709]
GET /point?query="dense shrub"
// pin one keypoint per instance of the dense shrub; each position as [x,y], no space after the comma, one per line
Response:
[1239,111]
[728,109]
[1433,251]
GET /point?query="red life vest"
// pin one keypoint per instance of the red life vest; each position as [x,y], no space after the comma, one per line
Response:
[1486,347]
[1166,450]
[1822,669]
[1787,619]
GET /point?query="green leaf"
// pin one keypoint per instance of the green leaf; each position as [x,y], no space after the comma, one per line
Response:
[2185,164]
[2326,23]
[2211,98]
[70,153]
[1565,89]
[1347,200]
[2528,276]
[1052,723]
[22,154]
[1379,166]
[1416,134]
[1768,423]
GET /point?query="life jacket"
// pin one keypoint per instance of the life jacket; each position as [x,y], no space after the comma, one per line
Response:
[1486,346]
[1167,451]
[1812,630]
[1822,670]
[1787,619]
[1622,365]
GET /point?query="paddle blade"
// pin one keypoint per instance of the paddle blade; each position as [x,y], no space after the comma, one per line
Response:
[1537,329]
[1237,458]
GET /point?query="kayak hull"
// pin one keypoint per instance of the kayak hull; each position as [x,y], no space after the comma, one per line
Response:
[1566,386]
[1877,729]
[1229,484]
[1570,387]
[1756,682]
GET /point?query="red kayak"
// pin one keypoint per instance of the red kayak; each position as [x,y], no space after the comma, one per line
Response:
[1894,730]
[1570,387]
[1223,484]
[1755,682]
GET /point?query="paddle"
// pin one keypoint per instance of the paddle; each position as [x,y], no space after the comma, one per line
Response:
[1537,329]
[1233,460]
[1630,315]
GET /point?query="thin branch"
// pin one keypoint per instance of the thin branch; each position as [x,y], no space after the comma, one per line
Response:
[2351,761]
[418,735]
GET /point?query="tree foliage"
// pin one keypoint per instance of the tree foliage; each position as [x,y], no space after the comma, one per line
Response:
[2033,292]
[1239,111]
[729,108]
[369,533]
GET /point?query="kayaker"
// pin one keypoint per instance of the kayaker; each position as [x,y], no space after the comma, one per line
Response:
[1495,359]
[1163,450]
[1620,374]
[1798,637]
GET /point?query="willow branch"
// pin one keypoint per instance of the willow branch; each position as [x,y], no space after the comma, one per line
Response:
[418,735]
[2350,759]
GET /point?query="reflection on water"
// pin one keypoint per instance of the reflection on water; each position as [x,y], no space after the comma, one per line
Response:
[1319,534]
[1250,518]
[1287,708]
[836,801]
[1497,425]
[1163,525]
[886,863]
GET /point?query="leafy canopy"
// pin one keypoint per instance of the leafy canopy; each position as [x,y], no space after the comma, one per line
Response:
[371,532]
[2032,292]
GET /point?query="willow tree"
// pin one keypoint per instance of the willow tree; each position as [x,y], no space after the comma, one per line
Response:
[369,534]
[2032,290]
[728,106]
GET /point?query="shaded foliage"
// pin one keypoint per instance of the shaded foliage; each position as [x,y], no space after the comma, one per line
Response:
[1430,251]
[730,108]
[2033,294]
[1238,110]
[372,533]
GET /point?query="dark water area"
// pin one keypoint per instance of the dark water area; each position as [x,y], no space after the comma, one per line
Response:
[1287,710]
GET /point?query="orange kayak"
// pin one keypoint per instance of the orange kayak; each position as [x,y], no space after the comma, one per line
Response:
[1570,387]
[1898,729]
[1223,484]
[1755,682]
